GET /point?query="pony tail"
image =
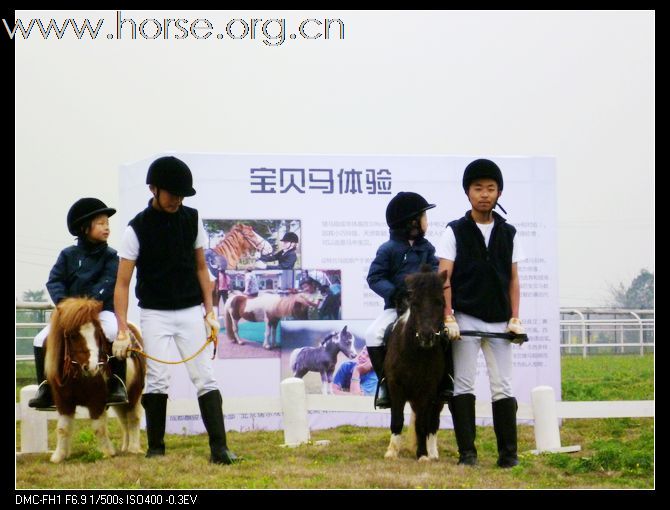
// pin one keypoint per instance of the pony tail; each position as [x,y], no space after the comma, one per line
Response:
[54,348]
[227,313]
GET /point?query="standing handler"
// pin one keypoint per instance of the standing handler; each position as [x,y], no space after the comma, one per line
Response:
[480,251]
[166,242]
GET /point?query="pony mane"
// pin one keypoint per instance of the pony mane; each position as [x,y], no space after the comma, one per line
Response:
[291,304]
[73,312]
[234,245]
[328,337]
[425,283]
[67,318]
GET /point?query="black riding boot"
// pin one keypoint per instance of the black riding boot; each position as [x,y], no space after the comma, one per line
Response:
[377,355]
[212,416]
[504,424]
[116,387]
[155,407]
[462,408]
[446,388]
[43,398]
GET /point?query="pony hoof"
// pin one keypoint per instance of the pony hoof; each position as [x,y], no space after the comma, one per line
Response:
[423,458]
[391,455]
[267,347]
[57,458]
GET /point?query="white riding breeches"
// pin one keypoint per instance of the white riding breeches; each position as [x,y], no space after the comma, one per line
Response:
[107,321]
[497,353]
[187,328]
[374,335]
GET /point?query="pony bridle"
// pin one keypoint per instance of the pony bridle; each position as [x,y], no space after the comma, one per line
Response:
[258,243]
[102,358]
[428,341]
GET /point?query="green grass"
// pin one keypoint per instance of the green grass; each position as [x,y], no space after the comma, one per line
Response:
[25,375]
[609,377]
[616,453]
[354,459]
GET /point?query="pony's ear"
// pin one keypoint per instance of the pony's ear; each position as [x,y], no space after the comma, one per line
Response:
[344,329]
[444,275]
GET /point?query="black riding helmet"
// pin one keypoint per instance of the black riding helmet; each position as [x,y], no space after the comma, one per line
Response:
[171,174]
[85,209]
[290,237]
[482,169]
[308,280]
[405,206]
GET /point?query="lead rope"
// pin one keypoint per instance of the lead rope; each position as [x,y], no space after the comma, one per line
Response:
[213,337]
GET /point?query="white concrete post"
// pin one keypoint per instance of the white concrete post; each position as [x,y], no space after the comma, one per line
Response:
[547,435]
[34,433]
[294,409]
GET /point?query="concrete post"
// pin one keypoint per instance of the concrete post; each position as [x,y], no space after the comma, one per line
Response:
[294,408]
[547,434]
[34,432]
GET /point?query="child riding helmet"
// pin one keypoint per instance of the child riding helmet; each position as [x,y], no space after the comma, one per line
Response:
[85,209]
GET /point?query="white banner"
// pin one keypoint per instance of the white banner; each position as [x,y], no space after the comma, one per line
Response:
[335,205]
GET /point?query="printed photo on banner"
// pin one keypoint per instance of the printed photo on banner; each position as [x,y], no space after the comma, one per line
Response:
[330,356]
[324,287]
[258,301]
[261,244]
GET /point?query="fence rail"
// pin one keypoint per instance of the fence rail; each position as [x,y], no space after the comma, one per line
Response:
[34,430]
[582,330]
[618,331]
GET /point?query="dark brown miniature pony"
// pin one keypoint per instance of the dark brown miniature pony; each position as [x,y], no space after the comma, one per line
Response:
[414,363]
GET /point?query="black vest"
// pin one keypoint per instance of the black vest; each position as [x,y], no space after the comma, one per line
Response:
[481,276]
[166,267]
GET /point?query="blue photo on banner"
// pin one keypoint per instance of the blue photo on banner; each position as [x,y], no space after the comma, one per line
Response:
[330,356]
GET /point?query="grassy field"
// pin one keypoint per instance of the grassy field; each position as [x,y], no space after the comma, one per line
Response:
[616,453]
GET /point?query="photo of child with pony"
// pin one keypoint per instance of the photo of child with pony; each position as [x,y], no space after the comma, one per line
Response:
[316,351]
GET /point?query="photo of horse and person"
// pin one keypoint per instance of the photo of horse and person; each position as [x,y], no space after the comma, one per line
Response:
[258,244]
[327,355]
[258,301]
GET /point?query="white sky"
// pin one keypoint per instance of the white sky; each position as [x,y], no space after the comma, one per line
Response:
[575,85]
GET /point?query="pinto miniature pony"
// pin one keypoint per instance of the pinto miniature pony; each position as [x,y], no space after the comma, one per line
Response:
[266,307]
[414,363]
[323,358]
[77,370]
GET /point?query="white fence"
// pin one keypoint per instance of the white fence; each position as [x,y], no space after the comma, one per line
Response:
[606,330]
[294,404]
[583,330]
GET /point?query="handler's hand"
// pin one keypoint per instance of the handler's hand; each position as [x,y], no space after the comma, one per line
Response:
[121,345]
[514,326]
[451,327]
[212,324]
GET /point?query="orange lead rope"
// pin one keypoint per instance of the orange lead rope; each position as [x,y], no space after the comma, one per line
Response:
[213,337]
